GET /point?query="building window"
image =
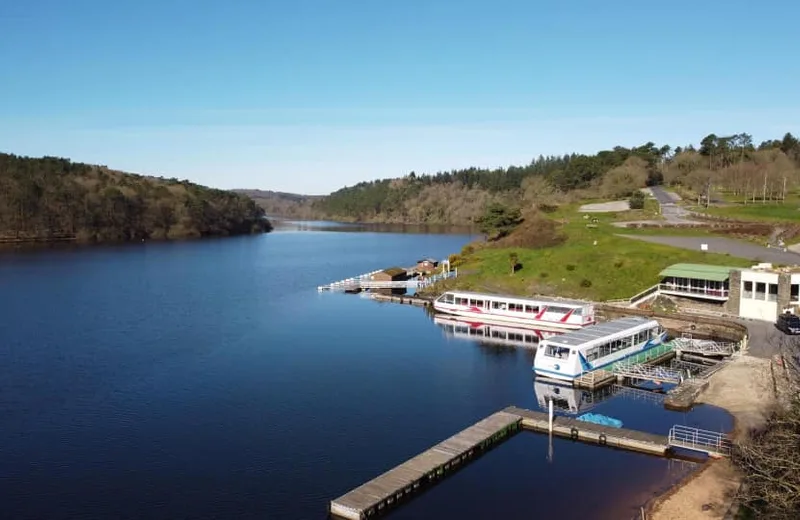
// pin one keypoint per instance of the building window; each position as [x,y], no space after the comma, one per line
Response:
[772,295]
[761,291]
[747,292]
[795,297]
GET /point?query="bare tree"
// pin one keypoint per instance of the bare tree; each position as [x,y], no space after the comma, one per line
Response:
[770,458]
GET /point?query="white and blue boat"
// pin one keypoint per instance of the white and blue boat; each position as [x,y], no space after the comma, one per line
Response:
[569,356]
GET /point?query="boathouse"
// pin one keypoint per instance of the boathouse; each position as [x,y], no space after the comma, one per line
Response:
[706,282]
[427,265]
[392,274]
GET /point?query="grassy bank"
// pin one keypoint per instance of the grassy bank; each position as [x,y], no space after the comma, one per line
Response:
[788,212]
[593,263]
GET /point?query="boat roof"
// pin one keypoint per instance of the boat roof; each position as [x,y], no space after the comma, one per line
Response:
[601,330]
[546,299]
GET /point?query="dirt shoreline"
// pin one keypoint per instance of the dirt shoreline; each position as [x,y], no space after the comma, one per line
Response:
[745,389]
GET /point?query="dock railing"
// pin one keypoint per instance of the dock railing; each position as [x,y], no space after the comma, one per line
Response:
[713,443]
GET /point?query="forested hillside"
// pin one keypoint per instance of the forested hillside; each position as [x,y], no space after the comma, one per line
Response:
[283,204]
[732,163]
[52,198]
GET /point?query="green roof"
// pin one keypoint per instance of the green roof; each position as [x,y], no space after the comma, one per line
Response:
[394,271]
[715,273]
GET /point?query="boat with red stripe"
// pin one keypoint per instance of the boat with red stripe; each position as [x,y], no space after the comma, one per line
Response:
[533,312]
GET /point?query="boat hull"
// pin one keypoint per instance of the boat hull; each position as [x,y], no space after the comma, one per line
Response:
[500,318]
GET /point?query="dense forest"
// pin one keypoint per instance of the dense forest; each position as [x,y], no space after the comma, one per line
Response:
[732,163]
[283,204]
[52,198]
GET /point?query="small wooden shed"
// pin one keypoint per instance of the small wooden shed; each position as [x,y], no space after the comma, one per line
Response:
[427,265]
[392,274]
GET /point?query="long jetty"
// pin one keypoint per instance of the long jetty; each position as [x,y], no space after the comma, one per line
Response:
[385,491]
[378,494]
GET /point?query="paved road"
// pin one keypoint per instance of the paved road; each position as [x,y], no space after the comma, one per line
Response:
[765,341]
[671,212]
[725,245]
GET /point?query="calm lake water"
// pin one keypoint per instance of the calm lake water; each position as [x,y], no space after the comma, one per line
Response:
[209,379]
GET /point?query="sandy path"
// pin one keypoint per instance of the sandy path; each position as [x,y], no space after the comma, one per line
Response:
[744,388]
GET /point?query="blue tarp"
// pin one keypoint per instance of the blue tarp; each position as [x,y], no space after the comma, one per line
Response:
[600,419]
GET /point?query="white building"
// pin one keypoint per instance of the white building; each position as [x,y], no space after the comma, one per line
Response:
[766,292]
[761,292]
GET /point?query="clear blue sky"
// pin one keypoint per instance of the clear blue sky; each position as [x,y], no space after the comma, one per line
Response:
[309,96]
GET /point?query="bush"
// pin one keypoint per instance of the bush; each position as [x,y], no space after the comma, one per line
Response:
[570,267]
[637,200]
[586,283]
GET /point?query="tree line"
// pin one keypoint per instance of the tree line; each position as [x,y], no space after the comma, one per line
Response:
[734,163]
[53,198]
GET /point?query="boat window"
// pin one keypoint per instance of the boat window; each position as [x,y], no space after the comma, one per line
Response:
[516,307]
[498,334]
[577,312]
[476,303]
[530,339]
[592,354]
[447,298]
[499,305]
[557,351]
[461,301]
[513,336]
[531,309]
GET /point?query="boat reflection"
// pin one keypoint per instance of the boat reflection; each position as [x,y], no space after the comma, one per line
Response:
[491,333]
[568,399]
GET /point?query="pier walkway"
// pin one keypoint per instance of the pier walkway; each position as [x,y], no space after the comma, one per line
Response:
[583,431]
[365,281]
[381,492]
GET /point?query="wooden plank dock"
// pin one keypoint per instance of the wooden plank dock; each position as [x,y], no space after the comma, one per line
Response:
[380,493]
[622,438]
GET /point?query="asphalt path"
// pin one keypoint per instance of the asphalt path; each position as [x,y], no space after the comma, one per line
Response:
[725,245]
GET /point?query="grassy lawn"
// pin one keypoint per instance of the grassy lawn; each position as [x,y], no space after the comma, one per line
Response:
[614,268]
[789,212]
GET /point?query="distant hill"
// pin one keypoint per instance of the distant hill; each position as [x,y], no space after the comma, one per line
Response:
[51,198]
[732,164]
[283,204]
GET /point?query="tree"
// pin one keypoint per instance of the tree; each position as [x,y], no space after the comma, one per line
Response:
[637,200]
[625,179]
[498,220]
[769,458]
[513,260]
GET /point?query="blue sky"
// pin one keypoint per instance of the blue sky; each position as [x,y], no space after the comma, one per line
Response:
[309,96]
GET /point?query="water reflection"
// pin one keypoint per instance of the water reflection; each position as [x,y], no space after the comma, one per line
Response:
[494,334]
[353,227]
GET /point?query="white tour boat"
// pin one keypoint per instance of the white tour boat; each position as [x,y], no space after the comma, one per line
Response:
[570,355]
[531,312]
[496,334]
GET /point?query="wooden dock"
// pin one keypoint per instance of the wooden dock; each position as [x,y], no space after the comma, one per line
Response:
[622,438]
[397,298]
[382,492]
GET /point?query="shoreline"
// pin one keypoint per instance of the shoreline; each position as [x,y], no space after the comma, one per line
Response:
[744,389]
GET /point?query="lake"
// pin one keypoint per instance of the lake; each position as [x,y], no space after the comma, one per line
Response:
[209,379]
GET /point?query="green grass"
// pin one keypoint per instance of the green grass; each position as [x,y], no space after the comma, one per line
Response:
[615,268]
[788,212]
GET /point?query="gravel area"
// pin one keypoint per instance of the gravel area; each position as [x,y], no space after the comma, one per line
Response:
[606,207]
[744,388]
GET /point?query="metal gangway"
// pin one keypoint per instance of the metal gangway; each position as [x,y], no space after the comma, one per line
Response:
[364,282]
[645,372]
[715,444]
[703,347]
